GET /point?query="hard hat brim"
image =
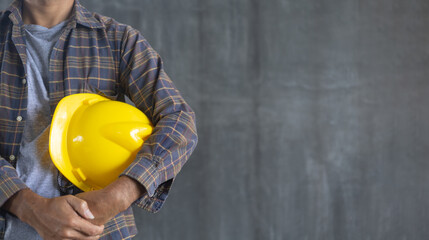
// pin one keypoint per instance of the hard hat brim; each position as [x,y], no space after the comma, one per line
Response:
[58,134]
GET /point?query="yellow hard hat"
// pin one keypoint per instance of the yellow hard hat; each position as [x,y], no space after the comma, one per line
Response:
[93,139]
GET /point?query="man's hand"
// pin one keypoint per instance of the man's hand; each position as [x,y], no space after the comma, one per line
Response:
[103,205]
[56,218]
[115,198]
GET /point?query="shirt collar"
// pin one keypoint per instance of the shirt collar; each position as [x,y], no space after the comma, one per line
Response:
[80,14]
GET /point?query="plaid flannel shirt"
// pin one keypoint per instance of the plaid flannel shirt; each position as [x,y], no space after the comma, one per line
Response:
[96,54]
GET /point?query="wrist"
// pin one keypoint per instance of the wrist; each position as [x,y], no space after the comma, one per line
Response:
[124,191]
[22,204]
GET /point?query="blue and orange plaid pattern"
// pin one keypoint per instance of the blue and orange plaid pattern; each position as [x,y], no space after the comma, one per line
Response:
[96,54]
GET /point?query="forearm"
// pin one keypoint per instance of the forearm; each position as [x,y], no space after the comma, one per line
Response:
[124,191]
[113,199]
[21,202]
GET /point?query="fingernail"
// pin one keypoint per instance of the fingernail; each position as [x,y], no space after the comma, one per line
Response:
[89,214]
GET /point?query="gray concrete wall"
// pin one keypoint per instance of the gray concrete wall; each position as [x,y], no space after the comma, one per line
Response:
[313,116]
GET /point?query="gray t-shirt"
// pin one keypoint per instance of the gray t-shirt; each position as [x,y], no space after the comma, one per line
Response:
[34,165]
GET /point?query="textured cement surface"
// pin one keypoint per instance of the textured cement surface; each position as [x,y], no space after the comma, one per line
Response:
[312,117]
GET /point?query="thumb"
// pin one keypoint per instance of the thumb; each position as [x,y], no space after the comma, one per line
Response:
[80,206]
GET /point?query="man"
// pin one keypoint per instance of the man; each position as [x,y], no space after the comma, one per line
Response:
[53,48]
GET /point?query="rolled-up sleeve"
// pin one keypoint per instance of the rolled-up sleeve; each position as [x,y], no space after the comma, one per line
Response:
[10,183]
[174,136]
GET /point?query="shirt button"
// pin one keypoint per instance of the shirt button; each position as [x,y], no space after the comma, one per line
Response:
[12,157]
[24,81]
[19,118]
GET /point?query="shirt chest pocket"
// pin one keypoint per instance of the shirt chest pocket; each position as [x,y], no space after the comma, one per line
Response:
[94,74]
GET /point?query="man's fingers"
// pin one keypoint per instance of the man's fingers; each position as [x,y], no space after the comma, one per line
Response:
[74,234]
[80,224]
[80,206]
[88,228]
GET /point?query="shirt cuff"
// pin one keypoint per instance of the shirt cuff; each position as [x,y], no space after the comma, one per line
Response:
[153,204]
[145,172]
[10,183]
